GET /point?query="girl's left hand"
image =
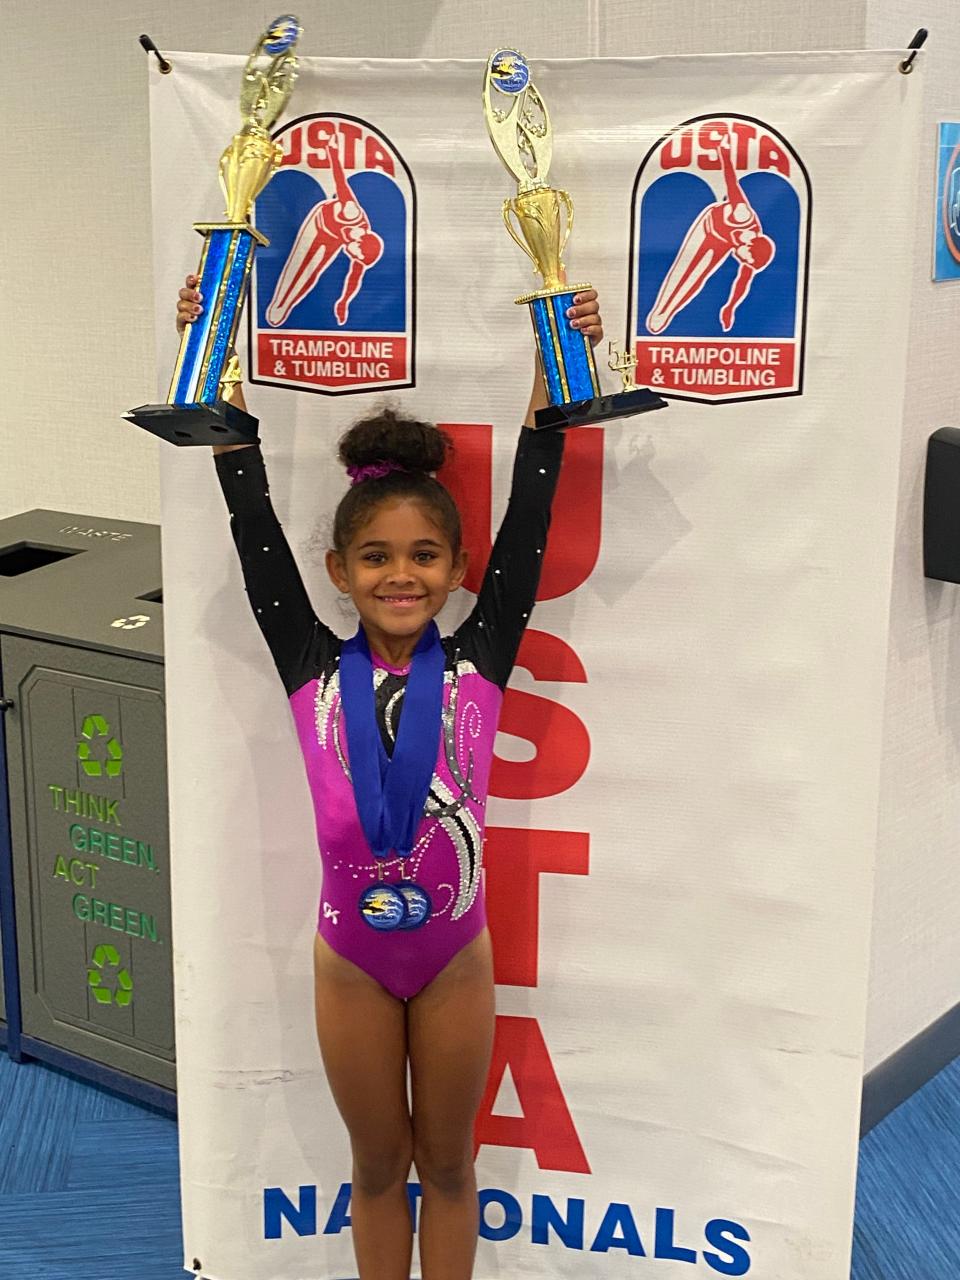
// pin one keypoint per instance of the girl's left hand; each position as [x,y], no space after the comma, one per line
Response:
[585,315]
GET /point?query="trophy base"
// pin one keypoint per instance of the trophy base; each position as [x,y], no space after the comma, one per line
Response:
[217,423]
[589,413]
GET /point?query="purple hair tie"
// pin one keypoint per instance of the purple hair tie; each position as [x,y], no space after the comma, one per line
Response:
[372,471]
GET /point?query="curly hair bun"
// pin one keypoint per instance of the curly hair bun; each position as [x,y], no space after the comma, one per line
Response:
[390,437]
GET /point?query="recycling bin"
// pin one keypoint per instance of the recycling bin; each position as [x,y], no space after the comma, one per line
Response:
[81,660]
[3,992]
[7,938]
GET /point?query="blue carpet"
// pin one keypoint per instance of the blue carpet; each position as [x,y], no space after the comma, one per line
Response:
[907,1224]
[89,1185]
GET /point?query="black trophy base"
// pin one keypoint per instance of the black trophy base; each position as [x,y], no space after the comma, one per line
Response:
[217,423]
[588,413]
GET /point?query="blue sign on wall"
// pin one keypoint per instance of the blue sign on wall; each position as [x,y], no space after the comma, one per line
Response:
[946,235]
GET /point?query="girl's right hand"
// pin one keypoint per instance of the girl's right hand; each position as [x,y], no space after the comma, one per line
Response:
[188,307]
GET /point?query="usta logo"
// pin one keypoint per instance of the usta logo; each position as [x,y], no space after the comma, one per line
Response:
[332,298]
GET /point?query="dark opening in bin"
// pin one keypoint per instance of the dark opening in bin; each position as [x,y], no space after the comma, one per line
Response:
[23,557]
[154,597]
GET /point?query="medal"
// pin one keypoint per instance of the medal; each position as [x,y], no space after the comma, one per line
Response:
[383,907]
[417,902]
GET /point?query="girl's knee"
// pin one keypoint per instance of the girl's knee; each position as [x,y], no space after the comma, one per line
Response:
[450,1172]
[382,1168]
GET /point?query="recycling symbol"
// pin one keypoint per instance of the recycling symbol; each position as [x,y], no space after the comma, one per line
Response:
[97,727]
[130,624]
[107,955]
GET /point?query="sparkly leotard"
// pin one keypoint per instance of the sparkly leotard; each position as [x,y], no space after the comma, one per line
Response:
[446,859]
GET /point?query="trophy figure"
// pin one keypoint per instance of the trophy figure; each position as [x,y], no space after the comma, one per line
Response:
[198,408]
[520,131]
[624,363]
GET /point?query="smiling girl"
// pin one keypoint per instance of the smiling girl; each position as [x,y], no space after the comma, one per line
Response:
[397,728]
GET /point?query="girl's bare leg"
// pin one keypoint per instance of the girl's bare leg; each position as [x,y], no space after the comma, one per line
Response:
[450,1039]
[362,1034]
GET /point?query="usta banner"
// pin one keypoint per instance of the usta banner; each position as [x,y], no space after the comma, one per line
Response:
[681,824]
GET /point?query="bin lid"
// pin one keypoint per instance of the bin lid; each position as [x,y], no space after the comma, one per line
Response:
[82,580]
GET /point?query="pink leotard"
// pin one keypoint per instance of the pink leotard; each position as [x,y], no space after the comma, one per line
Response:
[448,852]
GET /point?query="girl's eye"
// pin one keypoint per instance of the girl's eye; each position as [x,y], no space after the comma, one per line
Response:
[378,557]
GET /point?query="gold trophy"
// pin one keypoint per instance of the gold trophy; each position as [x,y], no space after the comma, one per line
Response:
[198,408]
[520,131]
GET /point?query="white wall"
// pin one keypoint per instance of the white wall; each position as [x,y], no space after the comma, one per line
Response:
[77,341]
[915,972]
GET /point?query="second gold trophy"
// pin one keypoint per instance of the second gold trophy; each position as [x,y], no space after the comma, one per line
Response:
[519,128]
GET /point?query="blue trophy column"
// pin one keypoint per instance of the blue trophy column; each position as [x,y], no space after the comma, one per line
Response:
[565,353]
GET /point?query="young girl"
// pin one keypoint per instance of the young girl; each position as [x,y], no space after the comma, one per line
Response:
[397,727]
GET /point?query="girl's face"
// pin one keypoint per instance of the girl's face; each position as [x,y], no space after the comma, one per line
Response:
[399,569]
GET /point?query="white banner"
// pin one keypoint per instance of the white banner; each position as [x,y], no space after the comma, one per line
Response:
[682,816]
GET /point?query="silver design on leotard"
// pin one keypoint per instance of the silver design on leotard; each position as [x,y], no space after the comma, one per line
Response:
[337,720]
[471,721]
[450,740]
[327,690]
[442,911]
[388,713]
[328,712]
[463,668]
[464,832]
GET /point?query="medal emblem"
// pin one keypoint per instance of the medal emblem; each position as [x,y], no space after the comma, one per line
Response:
[383,907]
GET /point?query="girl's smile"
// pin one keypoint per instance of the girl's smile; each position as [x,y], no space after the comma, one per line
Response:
[401,602]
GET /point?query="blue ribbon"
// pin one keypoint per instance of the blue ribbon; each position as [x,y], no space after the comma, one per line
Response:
[391,791]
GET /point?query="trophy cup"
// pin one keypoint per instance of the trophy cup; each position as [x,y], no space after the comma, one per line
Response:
[198,408]
[520,131]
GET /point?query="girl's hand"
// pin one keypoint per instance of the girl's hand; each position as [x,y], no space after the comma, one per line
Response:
[188,307]
[583,315]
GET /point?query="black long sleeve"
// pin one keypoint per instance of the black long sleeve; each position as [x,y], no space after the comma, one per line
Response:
[300,643]
[494,629]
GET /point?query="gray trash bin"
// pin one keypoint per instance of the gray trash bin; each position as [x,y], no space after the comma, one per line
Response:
[81,655]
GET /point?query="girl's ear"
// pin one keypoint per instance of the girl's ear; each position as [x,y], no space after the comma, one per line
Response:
[459,570]
[337,571]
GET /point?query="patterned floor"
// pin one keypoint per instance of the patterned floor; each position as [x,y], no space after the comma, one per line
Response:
[89,1185]
[907,1225]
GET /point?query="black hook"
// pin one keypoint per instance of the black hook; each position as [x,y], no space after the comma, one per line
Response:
[149,47]
[918,41]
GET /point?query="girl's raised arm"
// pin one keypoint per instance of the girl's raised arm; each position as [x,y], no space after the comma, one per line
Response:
[300,643]
[494,629]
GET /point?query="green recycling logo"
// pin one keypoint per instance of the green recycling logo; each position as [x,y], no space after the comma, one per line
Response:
[107,955]
[97,727]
